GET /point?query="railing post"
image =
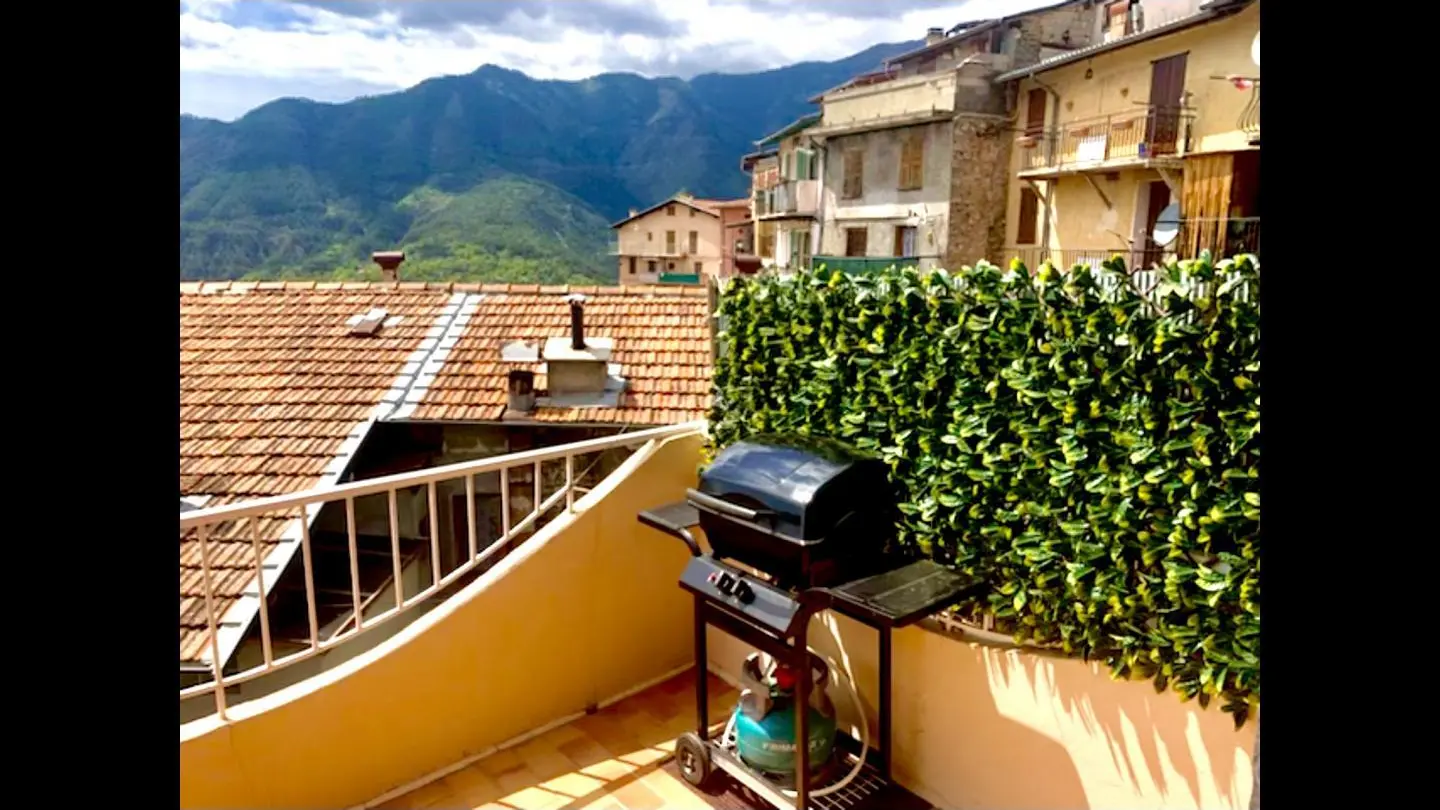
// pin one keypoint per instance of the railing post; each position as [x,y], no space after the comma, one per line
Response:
[395,549]
[354,559]
[309,579]
[434,535]
[505,503]
[216,664]
[470,515]
[265,647]
[570,484]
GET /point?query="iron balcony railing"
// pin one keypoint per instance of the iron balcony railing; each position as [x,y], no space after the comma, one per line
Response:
[1222,237]
[1147,133]
[245,519]
[1249,122]
[863,264]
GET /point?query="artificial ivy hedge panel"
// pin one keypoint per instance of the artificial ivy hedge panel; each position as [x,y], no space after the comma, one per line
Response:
[1096,460]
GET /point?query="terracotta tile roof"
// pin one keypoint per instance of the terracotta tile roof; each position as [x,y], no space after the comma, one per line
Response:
[662,344]
[272,385]
[742,202]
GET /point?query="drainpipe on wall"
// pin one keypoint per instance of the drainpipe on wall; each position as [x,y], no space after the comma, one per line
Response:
[818,239]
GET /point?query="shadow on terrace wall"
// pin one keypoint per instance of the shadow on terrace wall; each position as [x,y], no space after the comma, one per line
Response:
[1030,730]
[579,613]
[1156,746]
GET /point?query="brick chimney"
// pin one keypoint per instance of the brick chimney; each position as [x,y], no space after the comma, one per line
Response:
[389,261]
[933,35]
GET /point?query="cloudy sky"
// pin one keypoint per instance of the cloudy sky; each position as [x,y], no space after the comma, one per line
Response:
[238,54]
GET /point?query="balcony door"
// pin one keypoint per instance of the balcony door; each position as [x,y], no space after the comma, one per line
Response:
[1167,92]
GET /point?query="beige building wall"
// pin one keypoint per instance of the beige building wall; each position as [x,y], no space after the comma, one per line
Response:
[643,240]
[882,206]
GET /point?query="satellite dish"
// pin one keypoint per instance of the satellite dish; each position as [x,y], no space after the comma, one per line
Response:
[1167,225]
[1255,49]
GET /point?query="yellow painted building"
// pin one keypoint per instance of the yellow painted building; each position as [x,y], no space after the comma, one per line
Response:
[1163,112]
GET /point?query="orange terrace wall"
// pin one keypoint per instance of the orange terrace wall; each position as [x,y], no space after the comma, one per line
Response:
[585,610]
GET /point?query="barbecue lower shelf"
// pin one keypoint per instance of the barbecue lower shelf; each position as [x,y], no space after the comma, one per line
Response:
[868,791]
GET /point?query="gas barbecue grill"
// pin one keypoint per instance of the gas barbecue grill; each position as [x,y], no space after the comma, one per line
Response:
[798,525]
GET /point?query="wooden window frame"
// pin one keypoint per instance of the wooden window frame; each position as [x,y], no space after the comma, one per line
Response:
[694,242]
[864,243]
[853,187]
[1022,222]
[912,162]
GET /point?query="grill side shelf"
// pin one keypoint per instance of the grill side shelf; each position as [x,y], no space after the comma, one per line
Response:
[675,519]
[905,595]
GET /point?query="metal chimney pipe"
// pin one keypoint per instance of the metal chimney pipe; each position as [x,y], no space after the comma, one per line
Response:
[577,321]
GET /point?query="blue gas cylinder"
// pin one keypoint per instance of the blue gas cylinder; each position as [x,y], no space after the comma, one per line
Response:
[768,744]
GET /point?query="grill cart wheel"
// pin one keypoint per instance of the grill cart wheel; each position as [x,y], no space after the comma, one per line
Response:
[694,757]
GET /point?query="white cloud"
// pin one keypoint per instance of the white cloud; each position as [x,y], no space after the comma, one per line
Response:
[236,54]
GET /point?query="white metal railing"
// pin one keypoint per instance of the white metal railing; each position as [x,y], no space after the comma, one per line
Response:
[301,505]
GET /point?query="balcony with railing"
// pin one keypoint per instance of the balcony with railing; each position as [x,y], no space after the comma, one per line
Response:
[1249,122]
[792,198]
[1222,237]
[1147,136]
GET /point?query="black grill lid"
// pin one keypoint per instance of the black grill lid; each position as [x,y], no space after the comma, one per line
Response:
[785,474]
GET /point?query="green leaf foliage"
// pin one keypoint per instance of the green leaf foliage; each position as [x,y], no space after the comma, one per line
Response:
[1093,453]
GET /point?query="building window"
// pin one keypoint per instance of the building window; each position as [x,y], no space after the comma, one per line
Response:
[650,267]
[856,241]
[670,210]
[669,242]
[1029,212]
[699,268]
[854,171]
[804,164]
[632,269]
[692,213]
[670,266]
[799,249]
[649,236]
[1035,112]
[785,166]
[912,162]
[905,241]
[694,242]
[1118,20]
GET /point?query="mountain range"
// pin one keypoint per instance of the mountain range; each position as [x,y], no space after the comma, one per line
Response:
[489,176]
